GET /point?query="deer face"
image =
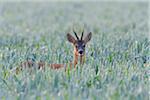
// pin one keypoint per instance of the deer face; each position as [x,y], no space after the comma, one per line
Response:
[79,44]
[80,47]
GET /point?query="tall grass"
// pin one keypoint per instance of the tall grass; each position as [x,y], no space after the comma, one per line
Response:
[115,57]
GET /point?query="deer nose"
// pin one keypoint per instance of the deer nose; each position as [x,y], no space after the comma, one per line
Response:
[81,51]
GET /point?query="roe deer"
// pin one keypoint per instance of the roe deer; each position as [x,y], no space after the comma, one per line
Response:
[79,53]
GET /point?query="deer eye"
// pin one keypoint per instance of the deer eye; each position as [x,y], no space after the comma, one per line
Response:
[76,46]
[83,45]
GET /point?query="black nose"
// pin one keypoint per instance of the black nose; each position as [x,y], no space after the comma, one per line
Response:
[81,52]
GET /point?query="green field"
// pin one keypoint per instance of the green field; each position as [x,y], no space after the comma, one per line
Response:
[117,57]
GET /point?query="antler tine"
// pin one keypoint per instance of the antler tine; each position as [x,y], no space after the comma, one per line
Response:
[82,34]
[76,35]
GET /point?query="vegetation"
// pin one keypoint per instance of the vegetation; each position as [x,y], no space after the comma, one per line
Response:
[117,57]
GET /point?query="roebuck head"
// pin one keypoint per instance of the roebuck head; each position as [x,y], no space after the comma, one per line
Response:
[79,43]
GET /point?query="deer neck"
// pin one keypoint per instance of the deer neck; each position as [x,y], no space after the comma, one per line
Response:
[82,59]
[78,58]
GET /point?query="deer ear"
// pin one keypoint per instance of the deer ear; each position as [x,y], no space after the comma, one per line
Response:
[88,37]
[71,38]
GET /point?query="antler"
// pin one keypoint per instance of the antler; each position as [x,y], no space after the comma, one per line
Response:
[82,34]
[76,35]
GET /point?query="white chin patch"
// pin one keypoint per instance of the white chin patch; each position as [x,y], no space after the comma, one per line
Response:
[80,54]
